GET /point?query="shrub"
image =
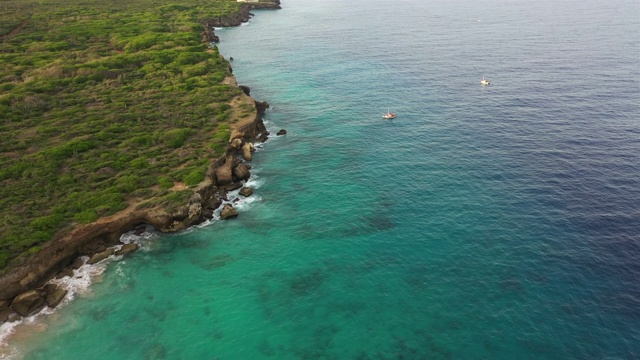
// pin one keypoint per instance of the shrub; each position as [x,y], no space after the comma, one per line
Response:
[194,177]
[86,216]
[176,137]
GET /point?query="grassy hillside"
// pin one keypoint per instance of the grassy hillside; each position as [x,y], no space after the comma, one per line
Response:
[103,104]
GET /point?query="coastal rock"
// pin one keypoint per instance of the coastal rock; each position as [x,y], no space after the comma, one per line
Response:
[261,107]
[195,199]
[4,314]
[245,89]
[55,294]
[241,172]
[127,249]
[77,263]
[139,230]
[209,36]
[236,134]
[224,174]
[213,203]
[100,256]
[231,187]
[236,144]
[247,149]
[246,191]
[27,303]
[281,132]
[68,271]
[228,211]
[207,213]
[194,211]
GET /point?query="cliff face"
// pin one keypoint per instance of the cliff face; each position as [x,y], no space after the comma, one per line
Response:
[88,239]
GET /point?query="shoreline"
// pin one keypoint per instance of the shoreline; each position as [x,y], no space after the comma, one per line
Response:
[26,290]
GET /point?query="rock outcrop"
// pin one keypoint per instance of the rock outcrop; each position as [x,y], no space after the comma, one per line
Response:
[246,191]
[241,172]
[224,174]
[127,249]
[4,314]
[28,303]
[228,211]
[281,132]
[96,258]
[245,89]
[247,150]
[54,295]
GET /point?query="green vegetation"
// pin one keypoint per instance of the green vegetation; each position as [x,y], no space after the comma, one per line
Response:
[103,104]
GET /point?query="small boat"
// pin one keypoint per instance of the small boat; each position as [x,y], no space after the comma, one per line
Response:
[485,81]
[389,115]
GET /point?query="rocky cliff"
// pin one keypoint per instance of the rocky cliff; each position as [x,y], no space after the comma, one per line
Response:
[22,288]
[235,19]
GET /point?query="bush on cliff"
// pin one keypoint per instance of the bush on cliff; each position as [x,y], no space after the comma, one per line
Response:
[101,102]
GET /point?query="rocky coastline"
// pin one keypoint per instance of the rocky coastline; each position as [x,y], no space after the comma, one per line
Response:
[240,17]
[24,289]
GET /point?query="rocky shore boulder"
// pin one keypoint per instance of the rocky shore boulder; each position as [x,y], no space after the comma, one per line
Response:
[281,132]
[54,295]
[208,36]
[236,144]
[127,249]
[228,211]
[247,149]
[77,263]
[245,89]
[261,107]
[4,314]
[224,174]
[195,210]
[246,191]
[28,302]
[241,172]
[213,203]
[100,256]
[231,187]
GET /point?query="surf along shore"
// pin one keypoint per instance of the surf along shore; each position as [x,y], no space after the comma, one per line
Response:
[23,288]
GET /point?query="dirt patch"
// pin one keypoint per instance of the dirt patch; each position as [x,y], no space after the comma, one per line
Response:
[15,30]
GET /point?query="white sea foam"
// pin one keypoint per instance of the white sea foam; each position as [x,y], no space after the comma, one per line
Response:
[6,330]
[243,204]
[78,284]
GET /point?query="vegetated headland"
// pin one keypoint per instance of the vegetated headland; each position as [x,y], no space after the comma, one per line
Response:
[112,114]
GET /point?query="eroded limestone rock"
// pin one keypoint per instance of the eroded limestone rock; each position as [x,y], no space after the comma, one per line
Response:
[228,211]
[28,302]
[54,295]
[100,256]
[246,191]
[241,172]
[247,149]
[127,249]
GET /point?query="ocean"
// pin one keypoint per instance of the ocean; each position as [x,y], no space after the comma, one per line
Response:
[484,222]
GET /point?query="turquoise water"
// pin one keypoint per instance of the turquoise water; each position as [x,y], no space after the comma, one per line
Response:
[498,222]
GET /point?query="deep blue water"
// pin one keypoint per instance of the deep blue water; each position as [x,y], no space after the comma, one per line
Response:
[485,222]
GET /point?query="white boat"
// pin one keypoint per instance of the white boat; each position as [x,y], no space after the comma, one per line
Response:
[389,115]
[485,81]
